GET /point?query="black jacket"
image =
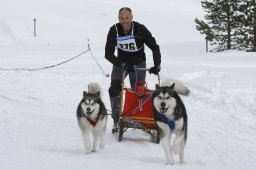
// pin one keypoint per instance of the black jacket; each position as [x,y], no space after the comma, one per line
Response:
[142,36]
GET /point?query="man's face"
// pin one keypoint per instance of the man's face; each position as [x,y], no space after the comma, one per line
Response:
[125,19]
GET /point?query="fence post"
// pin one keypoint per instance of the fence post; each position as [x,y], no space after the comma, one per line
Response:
[206,45]
[34,27]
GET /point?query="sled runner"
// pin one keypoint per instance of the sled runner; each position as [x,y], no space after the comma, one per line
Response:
[136,110]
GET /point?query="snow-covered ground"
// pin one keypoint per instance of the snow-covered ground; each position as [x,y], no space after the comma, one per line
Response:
[38,126]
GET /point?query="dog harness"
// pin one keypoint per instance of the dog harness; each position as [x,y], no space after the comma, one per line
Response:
[93,122]
[169,122]
[127,42]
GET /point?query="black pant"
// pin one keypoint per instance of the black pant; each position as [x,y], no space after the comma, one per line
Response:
[115,88]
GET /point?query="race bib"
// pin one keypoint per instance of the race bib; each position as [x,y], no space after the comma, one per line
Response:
[127,43]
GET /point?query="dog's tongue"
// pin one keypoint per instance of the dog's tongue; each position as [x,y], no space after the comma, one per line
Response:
[89,113]
[163,110]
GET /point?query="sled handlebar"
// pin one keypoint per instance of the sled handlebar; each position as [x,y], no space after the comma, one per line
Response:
[143,69]
[147,69]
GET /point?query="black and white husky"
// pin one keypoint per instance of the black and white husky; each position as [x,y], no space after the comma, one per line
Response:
[92,118]
[171,119]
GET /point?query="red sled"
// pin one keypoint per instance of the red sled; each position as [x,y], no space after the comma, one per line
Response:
[136,109]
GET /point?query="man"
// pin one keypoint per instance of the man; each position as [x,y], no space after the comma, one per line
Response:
[129,37]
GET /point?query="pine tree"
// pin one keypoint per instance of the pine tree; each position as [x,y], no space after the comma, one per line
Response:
[220,25]
[247,27]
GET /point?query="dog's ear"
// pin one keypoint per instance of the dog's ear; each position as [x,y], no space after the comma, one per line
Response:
[157,86]
[85,93]
[97,94]
[172,86]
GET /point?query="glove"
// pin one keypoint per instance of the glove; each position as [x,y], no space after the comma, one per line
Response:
[127,67]
[155,70]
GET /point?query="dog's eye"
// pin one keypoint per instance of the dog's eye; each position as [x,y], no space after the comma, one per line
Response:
[160,97]
[168,97]
[92,104]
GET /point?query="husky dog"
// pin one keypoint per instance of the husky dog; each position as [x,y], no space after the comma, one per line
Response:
[92,117]
[171,118]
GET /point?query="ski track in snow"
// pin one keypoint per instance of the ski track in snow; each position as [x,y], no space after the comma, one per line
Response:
[225,107]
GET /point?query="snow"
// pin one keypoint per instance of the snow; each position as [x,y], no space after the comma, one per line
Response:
[38,126]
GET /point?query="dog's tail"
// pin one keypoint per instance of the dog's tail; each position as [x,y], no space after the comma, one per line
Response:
[179,86]
[94,88]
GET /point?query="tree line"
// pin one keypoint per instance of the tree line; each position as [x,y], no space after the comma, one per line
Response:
[229,24]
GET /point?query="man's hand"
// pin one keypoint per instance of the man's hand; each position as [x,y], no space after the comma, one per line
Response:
[155,70]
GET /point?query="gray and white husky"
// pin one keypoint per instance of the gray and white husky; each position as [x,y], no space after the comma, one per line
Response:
[92,118]
[171,119]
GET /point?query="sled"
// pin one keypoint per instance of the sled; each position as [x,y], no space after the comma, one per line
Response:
[136,109]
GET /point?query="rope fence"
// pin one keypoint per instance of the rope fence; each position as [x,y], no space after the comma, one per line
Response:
[46,67]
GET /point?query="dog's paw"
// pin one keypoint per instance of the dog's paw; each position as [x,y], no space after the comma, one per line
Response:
[169,162]
[94,150]
[88,152]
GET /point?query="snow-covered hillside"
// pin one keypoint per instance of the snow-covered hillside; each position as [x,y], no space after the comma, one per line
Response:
[38,126]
